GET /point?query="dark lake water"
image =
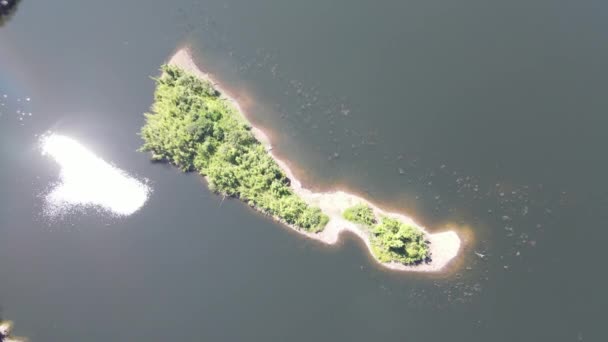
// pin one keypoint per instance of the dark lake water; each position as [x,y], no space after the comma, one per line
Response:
[486,116]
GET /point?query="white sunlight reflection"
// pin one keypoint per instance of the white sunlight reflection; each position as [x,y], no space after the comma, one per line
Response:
[88,181]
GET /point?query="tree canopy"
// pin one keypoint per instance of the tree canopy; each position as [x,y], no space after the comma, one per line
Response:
[391,240]
[194,128]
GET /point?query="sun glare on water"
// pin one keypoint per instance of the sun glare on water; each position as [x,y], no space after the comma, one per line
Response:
[88,181]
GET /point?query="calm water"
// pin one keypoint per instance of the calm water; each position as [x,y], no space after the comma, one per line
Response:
[488,116]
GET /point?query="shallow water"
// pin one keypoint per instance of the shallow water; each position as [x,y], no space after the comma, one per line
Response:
[485,116]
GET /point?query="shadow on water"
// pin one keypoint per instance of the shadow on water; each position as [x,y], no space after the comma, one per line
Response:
[7,10]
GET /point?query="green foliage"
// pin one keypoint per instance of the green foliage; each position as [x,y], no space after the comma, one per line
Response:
[360,213]
[194,128]
[393,240]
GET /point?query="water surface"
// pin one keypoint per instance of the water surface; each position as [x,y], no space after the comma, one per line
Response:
[485,116]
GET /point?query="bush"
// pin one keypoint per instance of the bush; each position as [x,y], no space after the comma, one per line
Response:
[393,240]
[360,213]
[194,128]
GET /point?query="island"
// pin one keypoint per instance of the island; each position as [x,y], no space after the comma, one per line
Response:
[197,126]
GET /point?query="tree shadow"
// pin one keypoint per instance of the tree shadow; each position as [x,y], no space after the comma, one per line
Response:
[7,10]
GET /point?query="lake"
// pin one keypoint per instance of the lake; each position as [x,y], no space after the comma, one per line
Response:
[488,117]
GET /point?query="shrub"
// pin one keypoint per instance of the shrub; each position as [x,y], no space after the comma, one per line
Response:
[393,240]
[360,213]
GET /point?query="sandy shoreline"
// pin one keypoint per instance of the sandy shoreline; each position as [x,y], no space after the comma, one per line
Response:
[444,246]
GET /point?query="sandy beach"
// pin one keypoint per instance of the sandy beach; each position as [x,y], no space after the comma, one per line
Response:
[444,246]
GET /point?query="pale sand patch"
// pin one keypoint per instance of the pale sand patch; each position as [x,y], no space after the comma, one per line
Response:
[444,246]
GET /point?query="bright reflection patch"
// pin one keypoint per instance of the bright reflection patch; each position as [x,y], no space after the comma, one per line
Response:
[88,181]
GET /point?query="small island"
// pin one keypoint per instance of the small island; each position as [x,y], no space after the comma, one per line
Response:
[391,239]
[196,126]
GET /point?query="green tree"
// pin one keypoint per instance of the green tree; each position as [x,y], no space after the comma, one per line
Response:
[393,240]
[193,127]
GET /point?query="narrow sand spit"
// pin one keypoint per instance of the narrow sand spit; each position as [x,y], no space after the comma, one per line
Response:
[444,246]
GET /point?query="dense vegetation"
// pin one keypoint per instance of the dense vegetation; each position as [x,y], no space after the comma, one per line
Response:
[194,128]
[360,213]
[391,240]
